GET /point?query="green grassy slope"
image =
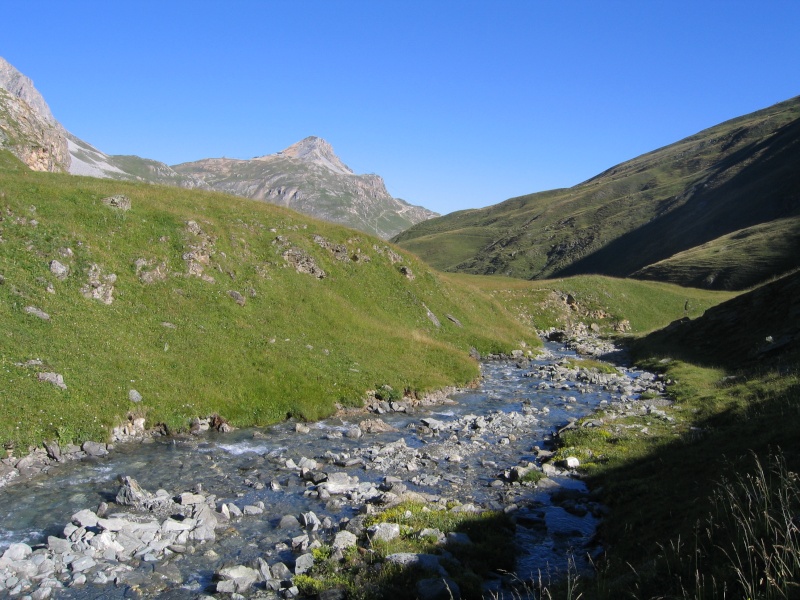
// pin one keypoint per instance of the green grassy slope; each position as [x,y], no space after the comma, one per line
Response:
[734,261]
[732,176]
[297,346]
[604,301]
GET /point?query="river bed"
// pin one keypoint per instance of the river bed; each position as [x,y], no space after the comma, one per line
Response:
[458,451]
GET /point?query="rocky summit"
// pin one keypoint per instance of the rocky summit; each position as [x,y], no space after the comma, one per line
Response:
[310,178]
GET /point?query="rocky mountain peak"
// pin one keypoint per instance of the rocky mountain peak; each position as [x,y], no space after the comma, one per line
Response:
[317,151]
[22,87]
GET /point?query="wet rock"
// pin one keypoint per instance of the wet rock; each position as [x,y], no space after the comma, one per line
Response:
[238,579]
[376,426]
[353,433]
[289,522]
[94,449]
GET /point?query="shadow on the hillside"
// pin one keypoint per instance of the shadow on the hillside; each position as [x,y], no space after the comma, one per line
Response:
[763,189]
[664,499]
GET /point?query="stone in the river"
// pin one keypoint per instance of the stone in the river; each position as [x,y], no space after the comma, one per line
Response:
[84,563]
[281,572]
[311,521]
[206,524]
[94,449]
[17,552]
[85,518]
[353,433]
[289,522]
[238,578]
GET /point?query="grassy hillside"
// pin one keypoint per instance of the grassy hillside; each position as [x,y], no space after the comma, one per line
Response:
[725,179]
[702,493]
[209,313]
[594,299]
[735,261]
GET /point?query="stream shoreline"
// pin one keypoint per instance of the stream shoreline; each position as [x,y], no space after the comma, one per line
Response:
[187,521]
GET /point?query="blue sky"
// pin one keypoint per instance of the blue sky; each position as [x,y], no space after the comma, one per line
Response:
[456,104]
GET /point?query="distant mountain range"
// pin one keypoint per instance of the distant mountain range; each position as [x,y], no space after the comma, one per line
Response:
[719,209]
[307,176]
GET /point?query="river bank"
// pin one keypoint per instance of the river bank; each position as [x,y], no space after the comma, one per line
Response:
[481,454]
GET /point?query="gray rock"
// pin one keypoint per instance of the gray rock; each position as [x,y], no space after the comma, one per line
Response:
[134,396]
[289,522]
[303,564]
[281,572]
[428,562]
[237,297]
[85,518]
[344,540]
[384,532]
[53,450]
[16,552]
[455,537]
[94,449]
[58,545]
[53,378]
[84,563]
[37,312]
[58,269]
[241,576]
[354,433]
[118,201]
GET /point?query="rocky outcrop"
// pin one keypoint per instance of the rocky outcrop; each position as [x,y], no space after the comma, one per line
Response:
[39,144]
[27,127]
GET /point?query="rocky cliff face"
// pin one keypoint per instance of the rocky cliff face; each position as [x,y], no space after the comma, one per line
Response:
[27,127]
[310,178]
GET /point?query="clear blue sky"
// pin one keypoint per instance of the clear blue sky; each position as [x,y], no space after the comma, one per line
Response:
[457,104]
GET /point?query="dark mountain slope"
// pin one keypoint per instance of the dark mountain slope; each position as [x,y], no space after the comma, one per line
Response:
[735,175]
[756,184]
[758,327]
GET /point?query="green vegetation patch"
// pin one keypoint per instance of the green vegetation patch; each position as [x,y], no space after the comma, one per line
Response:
[365,574]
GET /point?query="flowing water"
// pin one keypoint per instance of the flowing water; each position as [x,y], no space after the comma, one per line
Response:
[240,467]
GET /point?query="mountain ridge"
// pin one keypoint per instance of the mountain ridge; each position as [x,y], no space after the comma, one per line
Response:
[724,179]
[307,176]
